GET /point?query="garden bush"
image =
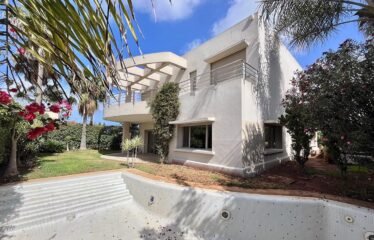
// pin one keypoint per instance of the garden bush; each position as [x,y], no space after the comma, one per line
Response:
[51,146]
[98,136]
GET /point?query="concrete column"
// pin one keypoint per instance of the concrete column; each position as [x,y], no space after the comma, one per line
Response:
[126,130]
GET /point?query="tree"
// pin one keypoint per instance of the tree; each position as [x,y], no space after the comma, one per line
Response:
[136,143]
[29,119]
[86,107]
[298,121]
[165,108]
[78,35]
[305,22]
[336,94]
[127,147]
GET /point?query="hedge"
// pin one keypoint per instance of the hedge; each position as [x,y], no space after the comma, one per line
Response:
[98,136]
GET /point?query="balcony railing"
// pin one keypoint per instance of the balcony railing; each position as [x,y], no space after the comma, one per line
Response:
[234,70]
[134,97]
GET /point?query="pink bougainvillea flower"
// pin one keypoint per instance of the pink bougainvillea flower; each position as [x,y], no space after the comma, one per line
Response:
[21,51]
[65,104]
[5,98]
[55,108]
[35,133]
[33,107]
[28,116]
[13,90]
[49,127]
[41,109]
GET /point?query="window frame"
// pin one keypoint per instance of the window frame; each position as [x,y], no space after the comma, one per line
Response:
[273,125]
[206,142]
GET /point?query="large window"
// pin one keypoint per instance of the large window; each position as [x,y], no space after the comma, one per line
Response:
[273,136]
[199,137]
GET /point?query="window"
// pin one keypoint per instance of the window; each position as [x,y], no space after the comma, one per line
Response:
[199,137]
[193,76]
[273,136]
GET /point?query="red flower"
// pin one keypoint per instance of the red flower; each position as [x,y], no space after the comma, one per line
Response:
[55,108]
[21,51]
[5,98]
[13,90]
[33,107]
[41,109]
[28,116]
[49,127]
[12,30]
[35,133]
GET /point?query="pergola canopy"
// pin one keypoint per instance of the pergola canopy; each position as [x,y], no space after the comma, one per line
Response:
[145,71]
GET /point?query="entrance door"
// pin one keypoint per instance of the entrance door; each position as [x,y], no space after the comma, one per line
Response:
[150,142]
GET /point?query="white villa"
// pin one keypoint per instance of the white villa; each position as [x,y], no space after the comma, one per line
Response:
[231,92]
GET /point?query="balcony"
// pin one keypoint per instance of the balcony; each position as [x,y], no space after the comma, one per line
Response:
[132,107]
[235,70]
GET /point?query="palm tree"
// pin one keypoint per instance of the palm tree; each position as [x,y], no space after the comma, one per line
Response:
[78,34]
[305,22]
[86,107]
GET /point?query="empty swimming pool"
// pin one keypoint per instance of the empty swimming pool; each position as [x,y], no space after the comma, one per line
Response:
[147,209]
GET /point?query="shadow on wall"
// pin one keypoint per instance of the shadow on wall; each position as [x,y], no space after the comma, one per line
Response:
[268,88]
[10,201]
[194,217]
[253,149]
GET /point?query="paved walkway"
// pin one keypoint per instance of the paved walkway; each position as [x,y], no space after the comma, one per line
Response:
[122,157]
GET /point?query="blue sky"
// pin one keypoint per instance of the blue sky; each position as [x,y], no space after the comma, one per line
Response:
[188,23]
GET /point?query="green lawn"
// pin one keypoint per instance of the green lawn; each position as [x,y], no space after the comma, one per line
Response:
[72,162]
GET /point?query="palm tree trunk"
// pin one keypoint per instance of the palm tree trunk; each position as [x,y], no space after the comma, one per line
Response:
[83,145]
[91,120]
[39,81]
[12,169]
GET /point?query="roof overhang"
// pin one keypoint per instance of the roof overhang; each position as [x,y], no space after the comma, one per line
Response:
[227,51]
[193,121]
[143,71]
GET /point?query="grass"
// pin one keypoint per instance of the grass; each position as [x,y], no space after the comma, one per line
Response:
[72,162]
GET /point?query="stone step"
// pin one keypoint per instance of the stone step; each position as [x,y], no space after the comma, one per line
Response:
[33,204]
[48,192]
[32,187]
[57,200]
[58,215]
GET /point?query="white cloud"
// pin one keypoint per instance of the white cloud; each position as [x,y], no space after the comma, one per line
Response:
[164,11]
[193,44]
[238,10]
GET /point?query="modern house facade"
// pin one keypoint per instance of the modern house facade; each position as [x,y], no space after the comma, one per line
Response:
[231,93]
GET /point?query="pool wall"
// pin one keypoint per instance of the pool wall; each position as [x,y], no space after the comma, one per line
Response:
[250,216]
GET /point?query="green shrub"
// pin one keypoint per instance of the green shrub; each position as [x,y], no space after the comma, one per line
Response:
[98,137]
[4,144]
[110,138]
[51,146]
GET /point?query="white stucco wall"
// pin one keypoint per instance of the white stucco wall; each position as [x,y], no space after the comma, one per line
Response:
[240,107]
[222,101]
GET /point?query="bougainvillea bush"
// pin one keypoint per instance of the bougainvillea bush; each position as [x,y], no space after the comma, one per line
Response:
[30,120]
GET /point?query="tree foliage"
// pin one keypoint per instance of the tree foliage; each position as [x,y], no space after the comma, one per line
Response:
[297,120]
[84,38]
[336,94]
[165,108]
[305,22]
